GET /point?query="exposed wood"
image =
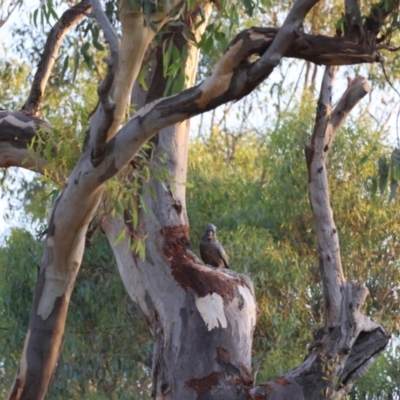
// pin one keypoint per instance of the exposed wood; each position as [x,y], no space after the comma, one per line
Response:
[342,300]
[65,242]
[137,33]
[189,308]
[291,28]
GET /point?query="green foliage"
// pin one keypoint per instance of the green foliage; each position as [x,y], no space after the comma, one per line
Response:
[260,204]
[99,359]
[14,88]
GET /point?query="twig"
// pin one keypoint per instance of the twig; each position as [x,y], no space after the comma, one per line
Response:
[67,21]
[387,47]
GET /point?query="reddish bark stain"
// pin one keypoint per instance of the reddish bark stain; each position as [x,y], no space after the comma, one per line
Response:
[205,384]
[190,273]
[268,389]
[245,375]
[223,355]
[238,375]
[282,381]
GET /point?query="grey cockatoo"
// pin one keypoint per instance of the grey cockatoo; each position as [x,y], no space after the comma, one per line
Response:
[211,251]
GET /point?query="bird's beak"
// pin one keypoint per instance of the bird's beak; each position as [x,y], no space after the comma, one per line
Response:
[210,235]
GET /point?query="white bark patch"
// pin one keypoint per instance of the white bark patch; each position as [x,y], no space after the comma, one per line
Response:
[211,309]
[56,285]
[17,122]
[249,306]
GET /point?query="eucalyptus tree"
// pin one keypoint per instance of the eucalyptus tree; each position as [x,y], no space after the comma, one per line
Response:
[202,319]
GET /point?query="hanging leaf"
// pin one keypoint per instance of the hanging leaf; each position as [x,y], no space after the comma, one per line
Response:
[64,68]
[374,188]
[35,14]
[395,164]
[383,168]
[393,189]
[76,65]
[96,43]
[51,10]
[141,79]
[120,237]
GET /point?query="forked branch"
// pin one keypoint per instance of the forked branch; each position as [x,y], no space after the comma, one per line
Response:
[344,323]
[349,342]
[326,126]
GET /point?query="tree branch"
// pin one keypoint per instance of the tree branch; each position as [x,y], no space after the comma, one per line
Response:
[291,28]
[349,342]
[11,8]
[354,27]
[326,127]
[67,21]
[357,88]
[231,81]
[104,89]
[17,131]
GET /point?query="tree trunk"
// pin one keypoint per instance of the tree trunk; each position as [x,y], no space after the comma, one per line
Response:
[201,318]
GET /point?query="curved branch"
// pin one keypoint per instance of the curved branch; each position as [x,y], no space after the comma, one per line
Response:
[291,28]
[11,156]
[230,80]
[67,21]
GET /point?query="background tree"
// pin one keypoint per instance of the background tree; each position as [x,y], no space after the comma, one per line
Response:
[215,301]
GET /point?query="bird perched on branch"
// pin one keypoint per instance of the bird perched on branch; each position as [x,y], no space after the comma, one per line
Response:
[211,251]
